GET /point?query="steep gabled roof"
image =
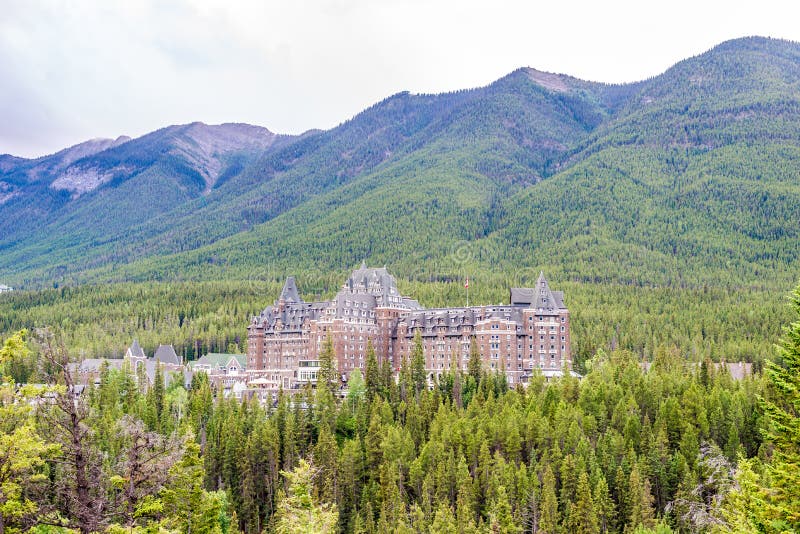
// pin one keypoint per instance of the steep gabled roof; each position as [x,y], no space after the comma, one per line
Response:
[289,292]
[166,354]
[135,350]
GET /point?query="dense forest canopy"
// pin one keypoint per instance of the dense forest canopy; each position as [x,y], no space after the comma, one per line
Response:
[620,450]
[102,320]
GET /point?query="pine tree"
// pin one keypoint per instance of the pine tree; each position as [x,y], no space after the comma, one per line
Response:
[443,521]
[351,479]
[65,421]
[604,505]
[388,385]
[475,364]
[356,390]
[187,506]
[548,524]
[200,403]
[372,375]
[745,508]
[501,520]
[568,474]
[458,387]
[583,516]
[326,455]
[418,376]
[23,454]
[260,484]
[782,411]
[155,400]
[298,513]
[641,501]
[328,376]
[15,358]
[143,462]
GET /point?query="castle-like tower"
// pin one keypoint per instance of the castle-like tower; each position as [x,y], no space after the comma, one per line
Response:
[285,340]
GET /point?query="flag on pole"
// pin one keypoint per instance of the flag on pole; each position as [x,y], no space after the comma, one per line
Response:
[466,283]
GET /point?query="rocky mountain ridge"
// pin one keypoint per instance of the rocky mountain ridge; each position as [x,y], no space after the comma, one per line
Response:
[687,177]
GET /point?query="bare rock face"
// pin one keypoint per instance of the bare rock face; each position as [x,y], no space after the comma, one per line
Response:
[88,148]
[548,80]
[46,167]
[79,181]
[205,147]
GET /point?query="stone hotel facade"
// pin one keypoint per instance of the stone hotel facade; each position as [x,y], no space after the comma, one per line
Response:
[285,340]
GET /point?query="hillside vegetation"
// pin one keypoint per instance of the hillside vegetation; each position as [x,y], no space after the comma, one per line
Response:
[688,178]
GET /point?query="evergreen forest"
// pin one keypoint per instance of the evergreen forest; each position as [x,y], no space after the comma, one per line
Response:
[679,448]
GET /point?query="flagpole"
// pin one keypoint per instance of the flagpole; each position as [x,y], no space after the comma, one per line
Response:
[466,285]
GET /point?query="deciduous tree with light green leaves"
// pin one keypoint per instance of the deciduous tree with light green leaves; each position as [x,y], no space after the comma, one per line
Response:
[23,452]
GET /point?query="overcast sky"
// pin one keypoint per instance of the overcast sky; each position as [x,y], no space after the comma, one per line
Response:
[72,70]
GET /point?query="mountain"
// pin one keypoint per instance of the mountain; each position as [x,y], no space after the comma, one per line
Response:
[685,178]
[73,201]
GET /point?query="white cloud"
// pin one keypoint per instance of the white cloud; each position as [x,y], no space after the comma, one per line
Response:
[78,69]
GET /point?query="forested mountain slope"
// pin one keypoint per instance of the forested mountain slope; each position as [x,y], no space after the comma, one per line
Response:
[686,178]
[695,180]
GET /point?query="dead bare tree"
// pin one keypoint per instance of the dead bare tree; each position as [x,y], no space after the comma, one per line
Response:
[700,509]
[143,467]
[80,488]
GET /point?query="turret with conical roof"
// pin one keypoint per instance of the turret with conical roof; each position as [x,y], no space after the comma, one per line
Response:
[539,297]
[377,282]
[289,292]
